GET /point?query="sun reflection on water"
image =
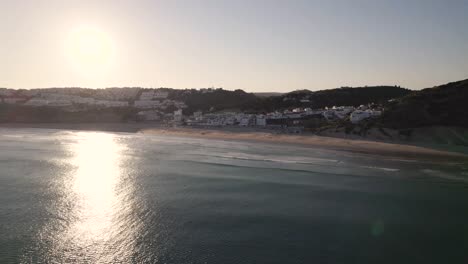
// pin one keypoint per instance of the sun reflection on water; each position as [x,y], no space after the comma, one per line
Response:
[98,161]
[100,226]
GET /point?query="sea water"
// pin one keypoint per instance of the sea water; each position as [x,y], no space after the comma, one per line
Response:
[94,197]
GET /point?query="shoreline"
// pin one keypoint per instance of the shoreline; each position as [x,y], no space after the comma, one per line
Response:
[261,135]
[314,141]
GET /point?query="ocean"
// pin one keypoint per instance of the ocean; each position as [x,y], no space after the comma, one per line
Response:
[99,197]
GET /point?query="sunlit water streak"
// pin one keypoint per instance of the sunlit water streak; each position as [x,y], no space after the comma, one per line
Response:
[96,210]
[87,197]
[94,188]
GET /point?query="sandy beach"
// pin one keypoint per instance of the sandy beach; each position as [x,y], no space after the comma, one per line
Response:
[261,135]
[310,140]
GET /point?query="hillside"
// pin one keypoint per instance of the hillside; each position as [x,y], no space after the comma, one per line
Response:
[336,97]
[268,94]
[218,99]
[443,105]
[214,99]
[206,100]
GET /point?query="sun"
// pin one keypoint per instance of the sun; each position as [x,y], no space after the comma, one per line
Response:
[89,48]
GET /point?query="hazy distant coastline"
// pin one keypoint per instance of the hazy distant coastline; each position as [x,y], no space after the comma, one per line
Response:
[383,113]
[434,118]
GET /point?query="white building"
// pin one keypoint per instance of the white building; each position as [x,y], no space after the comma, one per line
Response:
[245,121]
[59,103]
[275,115]
[230,120]
[214,122]
[117,104]
[359,115]
[309,111]
[329,114]
[107,103]
[56,96]
[37,102]
[160,94]
[297,110]
[13,100]
[83,100]
[198,115]
[147,104]
[260,120]
[363,107]
[342,111]
[146,96]
[178,115]
[117,94]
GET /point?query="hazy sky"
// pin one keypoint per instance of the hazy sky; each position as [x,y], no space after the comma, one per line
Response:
[253,45]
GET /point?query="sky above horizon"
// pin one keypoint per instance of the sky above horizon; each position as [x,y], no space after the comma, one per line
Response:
[256,45]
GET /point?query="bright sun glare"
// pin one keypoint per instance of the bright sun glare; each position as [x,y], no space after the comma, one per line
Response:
[89,49]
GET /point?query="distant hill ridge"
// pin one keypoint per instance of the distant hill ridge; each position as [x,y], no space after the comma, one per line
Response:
[268,94]
[444,105]
[219,99]
[349,96]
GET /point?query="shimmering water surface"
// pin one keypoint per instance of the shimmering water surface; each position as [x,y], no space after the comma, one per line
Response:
[89,197]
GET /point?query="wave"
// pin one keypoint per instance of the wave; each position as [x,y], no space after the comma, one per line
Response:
[380,168]
[276,169]
[243,166]
[275,159]
[444,175]
[405,160]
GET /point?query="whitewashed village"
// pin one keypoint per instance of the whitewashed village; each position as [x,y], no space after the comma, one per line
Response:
[155,105]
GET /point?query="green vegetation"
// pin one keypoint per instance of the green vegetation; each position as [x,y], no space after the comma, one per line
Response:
[219,99]
[345,96]
[215,100]
[443,105]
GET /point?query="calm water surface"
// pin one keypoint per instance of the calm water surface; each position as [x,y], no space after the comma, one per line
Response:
[89,197]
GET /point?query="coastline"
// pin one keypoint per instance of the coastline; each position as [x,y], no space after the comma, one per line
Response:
[311,140]
[262,135]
